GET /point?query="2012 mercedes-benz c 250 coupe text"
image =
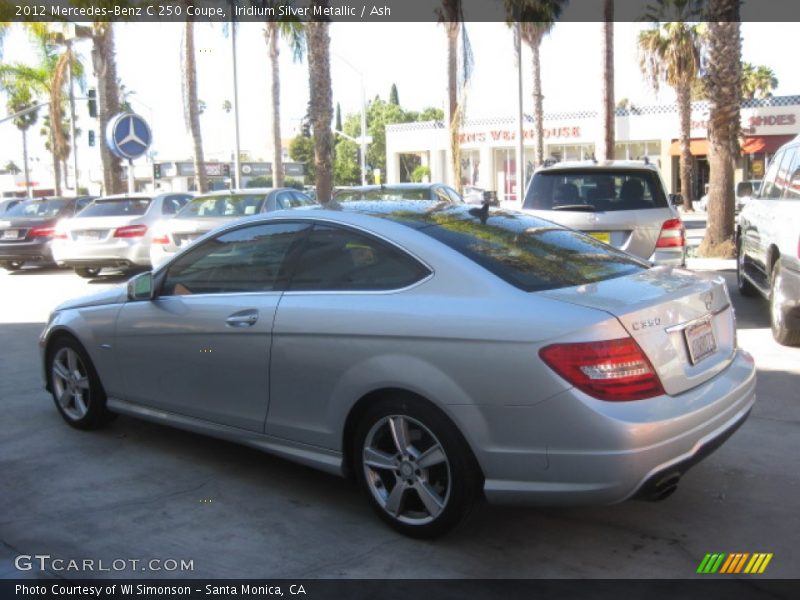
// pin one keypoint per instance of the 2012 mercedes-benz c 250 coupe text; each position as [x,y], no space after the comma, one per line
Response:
[434,352]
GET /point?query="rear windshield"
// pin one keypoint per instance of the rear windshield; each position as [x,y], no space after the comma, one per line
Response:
[595,190]
[37,209]
[118,207]
[382,194]
[238,205]
[529,253]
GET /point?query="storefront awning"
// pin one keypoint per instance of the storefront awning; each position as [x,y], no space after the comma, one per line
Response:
[767,144]
[698,147]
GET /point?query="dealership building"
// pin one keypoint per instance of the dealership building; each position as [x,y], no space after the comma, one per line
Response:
[488,146]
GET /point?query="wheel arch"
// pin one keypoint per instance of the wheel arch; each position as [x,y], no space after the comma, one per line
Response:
[362,405]
[773,255]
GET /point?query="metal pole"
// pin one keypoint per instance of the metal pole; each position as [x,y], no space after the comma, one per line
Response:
[75,177]
[363,132]
[131,178]
[236,164]
[520,144]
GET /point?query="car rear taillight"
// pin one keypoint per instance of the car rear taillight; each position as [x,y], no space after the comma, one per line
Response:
[161,239]
[130,231]
[60,235]
[673,234]
[43,231]
[615,370]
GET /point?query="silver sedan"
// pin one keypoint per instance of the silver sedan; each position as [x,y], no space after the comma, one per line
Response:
[208,211]
[432,352]
[114,231]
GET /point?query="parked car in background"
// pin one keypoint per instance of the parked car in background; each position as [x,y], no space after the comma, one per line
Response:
[768,244]
[433,351]
[745,190]
[621,203]
[113,232]
[209,211]
[27,229]
[8,204]
[399,191]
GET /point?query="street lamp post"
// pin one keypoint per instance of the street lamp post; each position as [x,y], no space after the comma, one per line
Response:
[237,153]
[76,175]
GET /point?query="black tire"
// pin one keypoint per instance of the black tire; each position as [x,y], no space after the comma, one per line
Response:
[450,486]
[90,411]
[777,316]
[12,265]
[744,286]
[87,272]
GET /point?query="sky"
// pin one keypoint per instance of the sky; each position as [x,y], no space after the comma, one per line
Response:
[410,55]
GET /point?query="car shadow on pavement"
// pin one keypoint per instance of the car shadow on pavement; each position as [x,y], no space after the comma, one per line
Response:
[37,270]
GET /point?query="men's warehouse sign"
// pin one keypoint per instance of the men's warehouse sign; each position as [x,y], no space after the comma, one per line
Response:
[509,135]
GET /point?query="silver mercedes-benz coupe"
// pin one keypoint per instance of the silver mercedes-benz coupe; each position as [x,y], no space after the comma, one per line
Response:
[433,352]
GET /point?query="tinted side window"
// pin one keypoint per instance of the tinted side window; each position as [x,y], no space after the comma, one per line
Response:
[769,189]
[335,258]
[792,189]
[249,259]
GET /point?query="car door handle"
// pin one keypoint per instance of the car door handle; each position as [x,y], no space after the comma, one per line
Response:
[243,318]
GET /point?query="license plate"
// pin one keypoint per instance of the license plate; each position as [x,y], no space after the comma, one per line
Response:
[10,234]
[603,236]
[89,236]
[700,340]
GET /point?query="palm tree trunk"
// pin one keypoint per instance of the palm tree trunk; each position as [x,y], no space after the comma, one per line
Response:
[190,83]
[607,149]
[538,110]
[56,162]
[454,114]
[684,115]
[105,68]
[723,82]
[274,54]
[319,76]
[25,163]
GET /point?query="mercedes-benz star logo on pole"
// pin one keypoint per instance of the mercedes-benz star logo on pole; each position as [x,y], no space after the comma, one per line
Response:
[128,136]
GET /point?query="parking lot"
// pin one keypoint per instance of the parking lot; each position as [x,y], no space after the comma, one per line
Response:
[138,491]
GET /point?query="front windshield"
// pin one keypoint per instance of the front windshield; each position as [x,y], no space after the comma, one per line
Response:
[37,209]
[235,205]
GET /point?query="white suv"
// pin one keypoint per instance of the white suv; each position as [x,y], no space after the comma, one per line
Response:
[768,243]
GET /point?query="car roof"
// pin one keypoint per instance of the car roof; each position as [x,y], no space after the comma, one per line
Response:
[604,165]
[389,186]
[244,191]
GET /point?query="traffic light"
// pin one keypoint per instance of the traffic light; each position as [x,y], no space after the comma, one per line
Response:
[156,171]
[92,94]
[90,134]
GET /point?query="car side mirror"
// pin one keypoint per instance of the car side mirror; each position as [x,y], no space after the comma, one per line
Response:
[676,199]
[744,188]
[141,287]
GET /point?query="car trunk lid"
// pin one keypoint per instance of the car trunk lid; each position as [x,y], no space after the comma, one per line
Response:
[96,229]
[682,321]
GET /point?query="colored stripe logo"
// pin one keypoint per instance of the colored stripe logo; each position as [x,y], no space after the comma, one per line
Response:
[737,562]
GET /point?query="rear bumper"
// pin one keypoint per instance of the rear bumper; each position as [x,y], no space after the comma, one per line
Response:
[584,451]
[118,253]
[37,251]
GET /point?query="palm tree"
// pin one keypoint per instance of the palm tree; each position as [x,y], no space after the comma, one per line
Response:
[191,105]
[319,78]
[20,99]
[723,83]
[757,81]
[670,53]
[108,101]
[450,15]
[607,147]
[291,30]
[537,18]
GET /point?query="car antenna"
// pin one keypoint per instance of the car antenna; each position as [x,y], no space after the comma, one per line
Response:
[482,213]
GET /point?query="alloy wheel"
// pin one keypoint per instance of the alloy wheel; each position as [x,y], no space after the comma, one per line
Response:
[407,470]
[71,385]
